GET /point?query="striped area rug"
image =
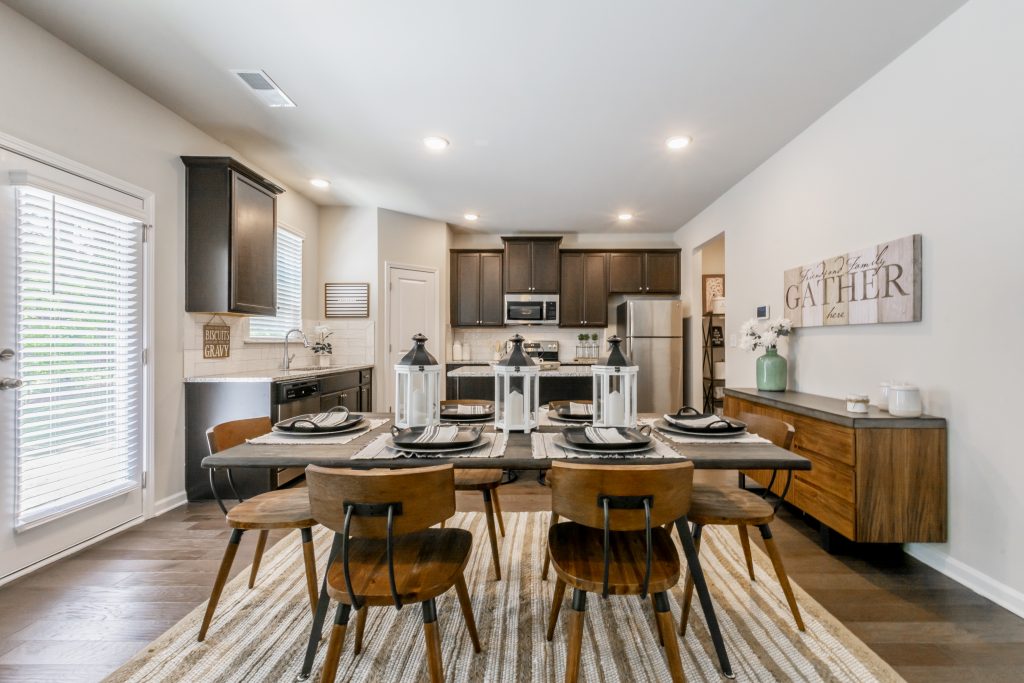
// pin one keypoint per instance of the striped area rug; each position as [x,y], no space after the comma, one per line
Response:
[260,634]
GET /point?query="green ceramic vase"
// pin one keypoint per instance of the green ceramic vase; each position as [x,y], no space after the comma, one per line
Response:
[772,371]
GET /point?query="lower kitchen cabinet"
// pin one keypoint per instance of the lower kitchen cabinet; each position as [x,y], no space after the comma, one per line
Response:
[551,388]
[353,390]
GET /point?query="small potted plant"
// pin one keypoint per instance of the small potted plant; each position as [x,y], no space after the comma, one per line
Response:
[772,369]
[321,347]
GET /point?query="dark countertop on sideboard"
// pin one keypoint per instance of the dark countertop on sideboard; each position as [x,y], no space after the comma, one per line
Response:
[834,410]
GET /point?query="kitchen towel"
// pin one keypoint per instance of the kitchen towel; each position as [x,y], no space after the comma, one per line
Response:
[491,446]
[279,438]
[545,448]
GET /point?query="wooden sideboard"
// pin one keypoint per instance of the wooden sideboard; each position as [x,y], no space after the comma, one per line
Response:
[875,478]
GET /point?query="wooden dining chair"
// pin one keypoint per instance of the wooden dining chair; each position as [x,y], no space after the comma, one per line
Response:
[387,553]
[487,483]
[734,506]
[281,509]
[614,543]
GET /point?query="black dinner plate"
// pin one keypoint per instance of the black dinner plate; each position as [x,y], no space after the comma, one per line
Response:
[314,423]
[406,438]
[691,421]
[635,438]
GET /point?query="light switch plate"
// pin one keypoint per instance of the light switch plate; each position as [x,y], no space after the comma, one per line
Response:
[732,340]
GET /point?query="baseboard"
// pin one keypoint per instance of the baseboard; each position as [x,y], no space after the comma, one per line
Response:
[169,503]
[980,583]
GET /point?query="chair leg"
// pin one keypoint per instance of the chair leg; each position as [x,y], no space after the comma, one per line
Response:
[491,534]
[433,641]
[261,544]
[467,611]
[780,571]
[335,644]
[556,607]
[688,589]
[497,511]
[222,577]
[309,560]
[547,555]
[360,627]
[657,621]
[706,603]
[745,542]
[663,615]
[574,647]
[442,524]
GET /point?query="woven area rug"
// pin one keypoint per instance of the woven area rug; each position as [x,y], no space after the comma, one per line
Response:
[260,634]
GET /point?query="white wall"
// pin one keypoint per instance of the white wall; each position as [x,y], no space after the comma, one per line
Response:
[930,145]
[56,98]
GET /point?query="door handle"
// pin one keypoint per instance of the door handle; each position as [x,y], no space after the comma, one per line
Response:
[11,383]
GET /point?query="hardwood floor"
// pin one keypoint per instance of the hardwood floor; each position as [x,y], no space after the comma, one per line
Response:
[81,617]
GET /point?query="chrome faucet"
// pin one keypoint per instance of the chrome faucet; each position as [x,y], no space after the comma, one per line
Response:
[286,362]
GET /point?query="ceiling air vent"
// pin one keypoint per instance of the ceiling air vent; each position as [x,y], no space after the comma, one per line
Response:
[264,88]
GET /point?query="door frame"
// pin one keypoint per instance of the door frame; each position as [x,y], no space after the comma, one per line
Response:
[386,378]
[148,198]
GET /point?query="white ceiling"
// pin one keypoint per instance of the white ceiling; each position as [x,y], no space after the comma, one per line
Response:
[557,111]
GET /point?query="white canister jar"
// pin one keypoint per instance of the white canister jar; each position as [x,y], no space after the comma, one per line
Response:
[905,401]
[457,350]
[718,305]
[883,404]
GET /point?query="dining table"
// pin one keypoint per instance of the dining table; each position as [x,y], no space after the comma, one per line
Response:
[517,455]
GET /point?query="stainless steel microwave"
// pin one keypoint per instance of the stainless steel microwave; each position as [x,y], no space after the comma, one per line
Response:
[531,309]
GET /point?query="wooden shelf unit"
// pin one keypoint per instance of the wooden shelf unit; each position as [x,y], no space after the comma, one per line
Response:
[710,355]
[875,478]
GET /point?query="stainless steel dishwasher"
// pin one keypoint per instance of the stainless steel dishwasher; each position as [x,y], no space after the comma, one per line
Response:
[291,398]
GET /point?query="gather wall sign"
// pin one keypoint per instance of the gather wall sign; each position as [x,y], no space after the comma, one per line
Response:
[879,284]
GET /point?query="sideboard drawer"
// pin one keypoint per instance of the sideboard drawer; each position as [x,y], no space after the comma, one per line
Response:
[831,510]
[825,439]
[829,476]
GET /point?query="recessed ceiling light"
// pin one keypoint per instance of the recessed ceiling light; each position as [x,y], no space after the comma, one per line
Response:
[625,217]
[320,183]
[470,216]
[678,142]
[436,143]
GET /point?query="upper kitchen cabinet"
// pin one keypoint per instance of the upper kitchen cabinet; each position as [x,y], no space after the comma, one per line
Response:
[476,281]
[653,271]
[531,265]
[583,300]
[231,231]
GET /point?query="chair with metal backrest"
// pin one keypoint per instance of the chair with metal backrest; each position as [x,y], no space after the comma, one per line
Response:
[386,554]
[614,543]
[734,506]
[281,509]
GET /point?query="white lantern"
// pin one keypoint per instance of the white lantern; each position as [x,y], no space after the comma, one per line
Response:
[615,389]
[516,390]
[417,387]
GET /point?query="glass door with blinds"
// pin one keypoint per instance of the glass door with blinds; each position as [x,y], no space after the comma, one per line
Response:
[72,330]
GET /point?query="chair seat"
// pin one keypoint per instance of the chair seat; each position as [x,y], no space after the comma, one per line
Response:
[728,505]
[427,563]
[477,480]
[283,509]
[577,556]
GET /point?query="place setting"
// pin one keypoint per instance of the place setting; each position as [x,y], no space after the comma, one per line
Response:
[570,412]
[336,426]
[689,425]
[467,411]
[434,441]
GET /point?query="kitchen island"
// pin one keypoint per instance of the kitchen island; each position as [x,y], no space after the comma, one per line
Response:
[568,382]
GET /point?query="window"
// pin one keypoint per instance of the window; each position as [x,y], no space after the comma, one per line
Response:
[79,324]
[289,291]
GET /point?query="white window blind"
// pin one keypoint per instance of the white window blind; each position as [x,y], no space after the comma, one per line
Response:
[289,291]
[79,334]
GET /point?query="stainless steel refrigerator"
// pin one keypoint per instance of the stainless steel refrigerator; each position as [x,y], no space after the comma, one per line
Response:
[653,334]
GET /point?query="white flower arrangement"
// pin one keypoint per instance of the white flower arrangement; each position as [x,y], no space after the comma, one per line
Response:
[767,337]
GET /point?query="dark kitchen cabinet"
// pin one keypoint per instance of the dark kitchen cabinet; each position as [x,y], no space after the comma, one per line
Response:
[653,271]
[231,234]
[531,265]
[584,289]
[476,288]
[353,389]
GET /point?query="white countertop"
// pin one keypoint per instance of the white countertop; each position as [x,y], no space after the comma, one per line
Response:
[488,371]
[276,374]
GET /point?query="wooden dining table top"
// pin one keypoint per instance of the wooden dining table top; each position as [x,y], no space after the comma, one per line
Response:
[518,455]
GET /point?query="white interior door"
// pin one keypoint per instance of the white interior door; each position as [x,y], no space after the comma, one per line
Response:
[71,332]
[412,308]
